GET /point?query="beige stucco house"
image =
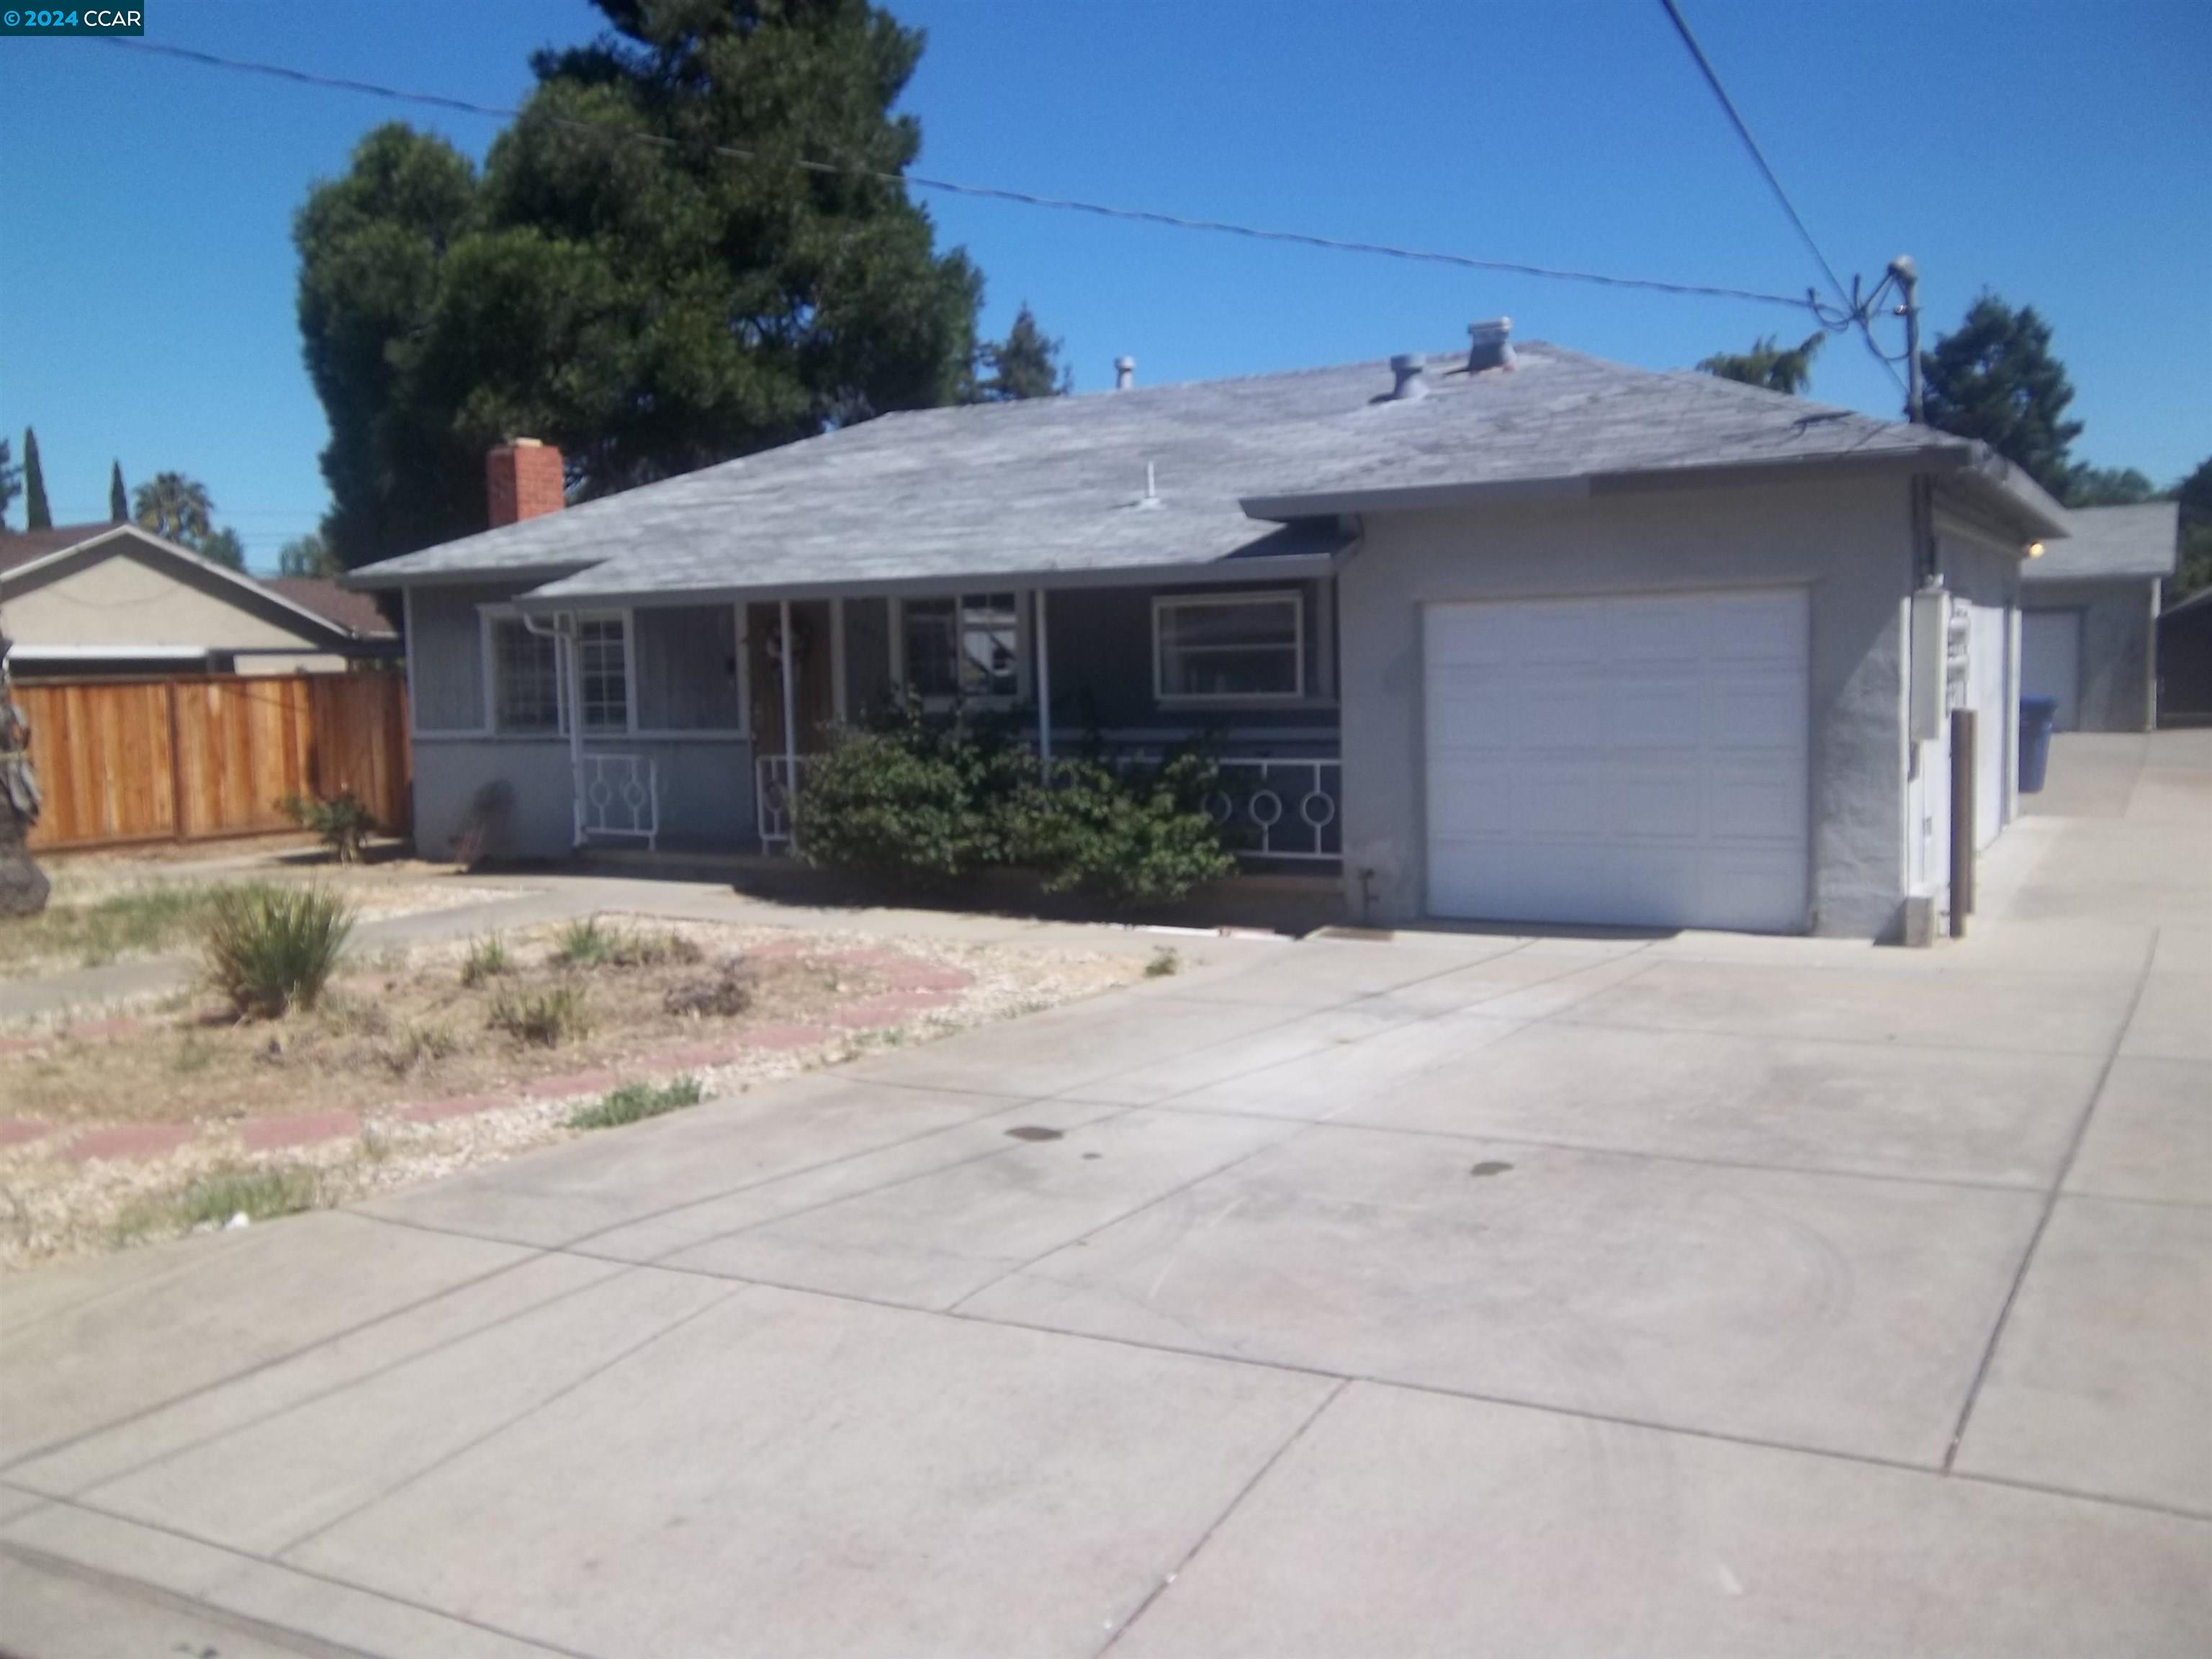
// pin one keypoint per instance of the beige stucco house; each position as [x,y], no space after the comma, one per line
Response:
[115,598]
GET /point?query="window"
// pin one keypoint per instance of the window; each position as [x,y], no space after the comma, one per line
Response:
[526,679]
[603,674]
[965,647]
[1227,645]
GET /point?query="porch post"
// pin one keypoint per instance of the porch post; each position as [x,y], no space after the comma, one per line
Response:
[790,723]
[1043,685]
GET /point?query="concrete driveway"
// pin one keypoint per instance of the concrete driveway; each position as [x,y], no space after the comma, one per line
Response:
[1447,1294]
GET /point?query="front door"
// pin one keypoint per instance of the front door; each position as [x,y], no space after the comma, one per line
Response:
[812,661]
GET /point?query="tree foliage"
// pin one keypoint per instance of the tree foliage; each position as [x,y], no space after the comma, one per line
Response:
[11,480]
[1778,368]
[2106,486]
[1996,379]
[1025,364]
[308,555]
[119,503]
[37,515]
[175,507]
[222,546]
[650,307]
[2195,568]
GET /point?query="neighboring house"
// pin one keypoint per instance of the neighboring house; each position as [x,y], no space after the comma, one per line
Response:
[2185,661]
[115,598]
[1552,640]
[2089,626]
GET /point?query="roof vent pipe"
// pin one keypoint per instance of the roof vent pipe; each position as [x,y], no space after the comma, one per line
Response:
[1491,344]
[1411,383]
[1124,373]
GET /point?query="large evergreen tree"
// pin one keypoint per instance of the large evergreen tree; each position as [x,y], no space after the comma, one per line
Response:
[650,307]
[2106,486]
[119,503]
[11,481]
[1778,368]
[37,515]
[306,555]
[2195,567]
[1995,379]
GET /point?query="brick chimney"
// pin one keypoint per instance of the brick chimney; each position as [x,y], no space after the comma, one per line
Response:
[522,480]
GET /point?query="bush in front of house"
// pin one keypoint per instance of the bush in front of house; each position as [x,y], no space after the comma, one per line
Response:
[342,823]
[913,804]
[919,805]
[1136,837]
[270,950]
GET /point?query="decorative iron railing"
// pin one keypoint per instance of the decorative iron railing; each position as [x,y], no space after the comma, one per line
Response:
[620,797]
[1269,808]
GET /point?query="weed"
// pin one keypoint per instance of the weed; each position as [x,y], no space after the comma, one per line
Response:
[724,994]
[415,1046]
[487,958]
[654,951]
[213,1199]
[634,1100]
[546,1018]
[270,950]
[583,944]
[1165,962]
[342,823]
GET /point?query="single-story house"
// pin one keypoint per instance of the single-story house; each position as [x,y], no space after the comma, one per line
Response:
[116,599]
[1495,634]
[2185,661]
[2089,616]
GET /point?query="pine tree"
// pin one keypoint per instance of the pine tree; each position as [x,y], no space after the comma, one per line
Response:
[11,481]
[1025,364]
[1769,365]
[119,503]
[1997,380]
[37,515]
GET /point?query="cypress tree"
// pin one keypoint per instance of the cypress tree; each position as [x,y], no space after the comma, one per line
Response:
[119,503]
[37,515]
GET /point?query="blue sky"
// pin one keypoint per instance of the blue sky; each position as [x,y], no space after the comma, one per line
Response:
[2059,154]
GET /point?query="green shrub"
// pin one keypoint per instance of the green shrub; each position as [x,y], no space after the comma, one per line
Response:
[915,804]
[635,1101]
[487,958]
[213,1199]
[1132,838]
[546,1018]
[342,823]
[270,950]
[583,944]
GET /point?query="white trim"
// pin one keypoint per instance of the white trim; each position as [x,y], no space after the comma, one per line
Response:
[1293,597]
[137,653]
[628,726]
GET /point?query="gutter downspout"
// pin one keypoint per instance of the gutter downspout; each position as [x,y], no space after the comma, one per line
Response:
[566,670]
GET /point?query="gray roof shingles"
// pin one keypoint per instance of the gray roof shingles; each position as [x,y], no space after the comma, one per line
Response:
[2112,541]
[1053,485]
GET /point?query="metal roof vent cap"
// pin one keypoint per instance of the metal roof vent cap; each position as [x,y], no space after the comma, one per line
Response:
[1489,345]
[1124,373]
[1412,384]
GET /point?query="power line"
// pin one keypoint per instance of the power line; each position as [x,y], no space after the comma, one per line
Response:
[1743,130]
[986,192]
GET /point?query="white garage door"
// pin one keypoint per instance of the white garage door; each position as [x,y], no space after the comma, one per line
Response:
[2050,661]
[1638,762]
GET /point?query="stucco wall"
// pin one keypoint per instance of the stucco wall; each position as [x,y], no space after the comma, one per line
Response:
[705,790]
[1849,542]
[123,600]
[2116,651]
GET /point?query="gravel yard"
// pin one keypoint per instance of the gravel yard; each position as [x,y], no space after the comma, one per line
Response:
[126,1127]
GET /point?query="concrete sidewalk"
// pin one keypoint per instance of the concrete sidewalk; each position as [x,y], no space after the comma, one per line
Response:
[1463,1292]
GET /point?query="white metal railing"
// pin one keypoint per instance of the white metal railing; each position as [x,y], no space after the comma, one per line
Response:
[621,796]
[1268,806]
[775,787]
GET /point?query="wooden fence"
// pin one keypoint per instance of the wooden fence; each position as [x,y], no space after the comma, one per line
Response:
[192,757]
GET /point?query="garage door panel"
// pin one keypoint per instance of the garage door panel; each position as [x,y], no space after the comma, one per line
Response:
[1662,805]
[1635,761]
[1649,712]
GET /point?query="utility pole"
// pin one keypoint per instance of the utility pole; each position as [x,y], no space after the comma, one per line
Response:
[1908,287]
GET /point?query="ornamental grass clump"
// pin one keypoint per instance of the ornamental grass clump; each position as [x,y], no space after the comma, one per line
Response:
[271,950]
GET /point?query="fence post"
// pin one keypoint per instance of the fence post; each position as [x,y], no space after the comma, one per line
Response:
[176,769]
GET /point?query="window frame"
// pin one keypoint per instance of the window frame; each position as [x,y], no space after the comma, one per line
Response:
[490,619]
[1025,647]
[621,620]
[1166,603]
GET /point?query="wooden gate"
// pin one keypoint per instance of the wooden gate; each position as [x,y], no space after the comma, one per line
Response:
[193,757]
